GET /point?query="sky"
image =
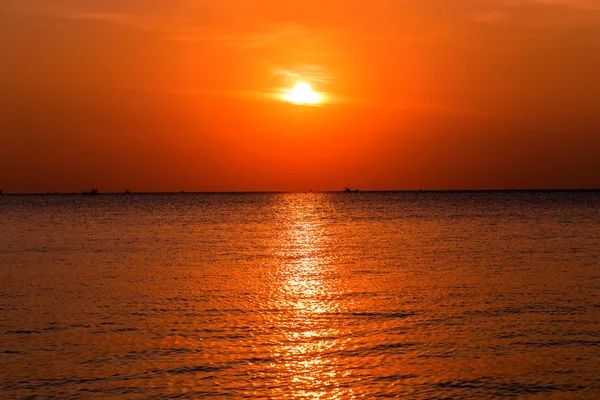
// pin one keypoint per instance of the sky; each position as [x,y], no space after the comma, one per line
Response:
[190,95]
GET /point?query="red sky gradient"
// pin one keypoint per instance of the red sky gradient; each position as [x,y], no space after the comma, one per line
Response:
[186,95]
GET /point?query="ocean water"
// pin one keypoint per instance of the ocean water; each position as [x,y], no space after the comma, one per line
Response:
[309,295]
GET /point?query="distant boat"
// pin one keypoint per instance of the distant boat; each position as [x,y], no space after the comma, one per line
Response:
[0,192]
[348,190]
[93,192]
[127,191]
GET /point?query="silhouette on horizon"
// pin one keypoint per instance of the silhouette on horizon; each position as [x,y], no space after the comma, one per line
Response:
[348,190]
[93,192]
[127,191]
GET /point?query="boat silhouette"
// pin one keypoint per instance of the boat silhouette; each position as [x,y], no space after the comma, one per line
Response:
[93,192]
[348,190]
[127,191]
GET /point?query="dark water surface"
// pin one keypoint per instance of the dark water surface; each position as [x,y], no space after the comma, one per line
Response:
[324,295]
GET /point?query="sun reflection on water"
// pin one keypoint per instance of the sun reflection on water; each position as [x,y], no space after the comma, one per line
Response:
[306,288]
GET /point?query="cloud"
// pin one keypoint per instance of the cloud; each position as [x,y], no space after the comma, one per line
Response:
[590,5]
[250,37]
[100,16]
[314,73]
[540,13]
[248,40]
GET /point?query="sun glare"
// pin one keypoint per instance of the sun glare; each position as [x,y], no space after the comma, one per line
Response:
[302,93]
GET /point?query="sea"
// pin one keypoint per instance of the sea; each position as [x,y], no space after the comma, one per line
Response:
[414,295]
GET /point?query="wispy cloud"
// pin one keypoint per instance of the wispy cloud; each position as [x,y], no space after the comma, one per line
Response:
[100,16]
[313,73]
[256,37]
[243,40]
[539,13]
[590,5]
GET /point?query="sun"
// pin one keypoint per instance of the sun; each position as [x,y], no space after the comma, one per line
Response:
[302,93]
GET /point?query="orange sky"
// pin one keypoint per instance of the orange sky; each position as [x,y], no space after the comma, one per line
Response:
[186,94]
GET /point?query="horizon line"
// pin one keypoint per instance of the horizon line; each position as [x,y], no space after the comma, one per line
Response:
[312,191]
